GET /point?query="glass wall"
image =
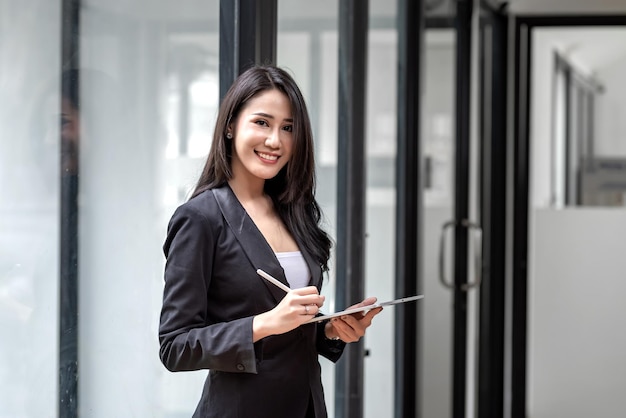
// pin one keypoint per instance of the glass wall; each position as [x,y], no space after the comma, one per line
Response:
[147,78]
[29,206]
[381,138]
[438,142]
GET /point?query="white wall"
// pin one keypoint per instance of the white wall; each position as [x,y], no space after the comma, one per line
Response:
[610,123]
[541,118]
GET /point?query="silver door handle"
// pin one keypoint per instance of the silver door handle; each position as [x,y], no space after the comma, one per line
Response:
[478,242]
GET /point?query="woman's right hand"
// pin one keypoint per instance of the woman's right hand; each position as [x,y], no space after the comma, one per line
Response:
[297,307]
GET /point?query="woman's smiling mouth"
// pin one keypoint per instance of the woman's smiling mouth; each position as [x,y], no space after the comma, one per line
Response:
[268,157]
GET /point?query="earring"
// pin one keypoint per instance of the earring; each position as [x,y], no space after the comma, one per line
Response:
[229,135]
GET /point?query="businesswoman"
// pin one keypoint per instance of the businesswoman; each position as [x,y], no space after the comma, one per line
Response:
[253,208]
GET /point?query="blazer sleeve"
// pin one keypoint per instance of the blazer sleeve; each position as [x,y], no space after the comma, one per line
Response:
[330,349]
[187,340]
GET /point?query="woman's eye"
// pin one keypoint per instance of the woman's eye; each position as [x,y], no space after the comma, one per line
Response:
[288,128]
[261,122]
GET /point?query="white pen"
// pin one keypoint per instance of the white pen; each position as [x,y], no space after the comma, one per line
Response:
[272,280]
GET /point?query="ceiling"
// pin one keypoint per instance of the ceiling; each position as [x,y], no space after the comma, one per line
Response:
[167,9]
[567,6]
[592,48]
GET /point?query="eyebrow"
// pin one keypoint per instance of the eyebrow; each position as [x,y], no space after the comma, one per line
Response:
[266,115]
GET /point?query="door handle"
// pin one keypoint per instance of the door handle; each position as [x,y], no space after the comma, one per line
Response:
[478,244]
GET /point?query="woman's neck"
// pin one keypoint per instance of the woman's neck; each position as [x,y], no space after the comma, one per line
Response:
[247,191]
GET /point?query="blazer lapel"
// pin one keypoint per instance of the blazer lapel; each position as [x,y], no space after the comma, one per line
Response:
[254,245]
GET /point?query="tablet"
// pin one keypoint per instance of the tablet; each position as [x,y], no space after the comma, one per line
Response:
[365,308]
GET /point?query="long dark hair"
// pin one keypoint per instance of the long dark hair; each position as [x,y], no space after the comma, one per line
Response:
[293,189]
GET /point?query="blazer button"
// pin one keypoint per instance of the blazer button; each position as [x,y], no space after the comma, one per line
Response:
[240,367]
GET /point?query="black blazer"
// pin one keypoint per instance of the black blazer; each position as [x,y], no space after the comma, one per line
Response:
[212,292]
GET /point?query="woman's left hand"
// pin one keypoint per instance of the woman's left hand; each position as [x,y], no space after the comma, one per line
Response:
[350,328]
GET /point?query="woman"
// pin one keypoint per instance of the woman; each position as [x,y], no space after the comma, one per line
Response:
[253,208]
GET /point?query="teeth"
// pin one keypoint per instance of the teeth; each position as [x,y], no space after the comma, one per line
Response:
[268,156]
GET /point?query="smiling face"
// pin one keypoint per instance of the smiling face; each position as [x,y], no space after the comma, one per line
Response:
[262,138]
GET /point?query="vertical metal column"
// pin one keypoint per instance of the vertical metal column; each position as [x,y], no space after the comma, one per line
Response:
[407,359]
[520,220]
[68,279]
[493,221]
[590,131]
[353,27]
[247,37]
[567,174]
[461,209]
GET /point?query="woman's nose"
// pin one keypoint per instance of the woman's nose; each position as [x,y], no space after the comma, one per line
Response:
[273,140]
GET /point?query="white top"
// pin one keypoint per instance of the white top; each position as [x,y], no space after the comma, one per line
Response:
[296,270]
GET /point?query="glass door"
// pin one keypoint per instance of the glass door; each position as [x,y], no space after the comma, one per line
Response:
[464,128]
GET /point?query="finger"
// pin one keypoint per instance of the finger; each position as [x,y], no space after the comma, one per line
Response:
[317,300]
[367,318]
[360,322]
[366,302]
[351,320]
[311,309]
[308,290]
[369,301]
[346,331]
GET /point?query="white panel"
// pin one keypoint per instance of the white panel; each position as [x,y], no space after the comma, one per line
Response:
[576,314]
